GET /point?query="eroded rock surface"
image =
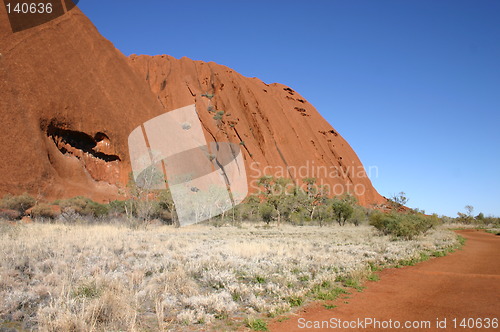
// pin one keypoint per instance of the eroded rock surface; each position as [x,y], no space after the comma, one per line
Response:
[69,100]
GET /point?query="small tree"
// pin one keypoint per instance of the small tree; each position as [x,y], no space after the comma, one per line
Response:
[316,195]
[250,208]
[399,200]
[359,215]
[166,203]
[343,208]
[266,212]
[276,192]
[142,191]
[323,212]
[341,211]
[467,217]
[265,182]
[480,217]
[469,209]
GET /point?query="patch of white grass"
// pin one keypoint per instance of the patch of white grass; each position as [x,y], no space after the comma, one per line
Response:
[105,277]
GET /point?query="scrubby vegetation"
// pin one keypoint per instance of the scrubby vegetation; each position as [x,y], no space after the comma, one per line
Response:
[61,277]
[124,265]
[83,207]
[406,226]
[17,204]
[43,211]
[279,201]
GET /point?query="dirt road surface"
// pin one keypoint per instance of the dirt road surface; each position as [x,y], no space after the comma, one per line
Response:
[439,292]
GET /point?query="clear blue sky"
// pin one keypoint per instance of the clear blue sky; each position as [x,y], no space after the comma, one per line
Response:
[413,85]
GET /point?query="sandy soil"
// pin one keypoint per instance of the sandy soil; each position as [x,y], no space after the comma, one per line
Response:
[462,285]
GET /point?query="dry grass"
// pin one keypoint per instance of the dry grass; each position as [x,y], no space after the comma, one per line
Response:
[105,277]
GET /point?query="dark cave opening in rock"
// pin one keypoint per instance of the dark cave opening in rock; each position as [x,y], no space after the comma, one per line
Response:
[100,137]
[79,140]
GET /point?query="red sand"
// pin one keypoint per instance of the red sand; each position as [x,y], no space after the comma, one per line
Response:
[465,284]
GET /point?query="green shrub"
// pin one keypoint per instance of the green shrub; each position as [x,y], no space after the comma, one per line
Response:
[208,95]
[161,208]
[295,301]
[298,217]
[342,210]
[77,204]
[400,225]
[118,207]
[256,324]
[359,216]
[84,206]
[19,203]
[266,212]
[97,210]
[43,210]
[327,291]
[329,307]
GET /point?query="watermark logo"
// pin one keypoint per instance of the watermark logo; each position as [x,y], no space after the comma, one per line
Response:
[332,180]
[26,14]
[205,180]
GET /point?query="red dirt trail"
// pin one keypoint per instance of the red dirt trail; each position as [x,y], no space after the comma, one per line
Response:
[465,284]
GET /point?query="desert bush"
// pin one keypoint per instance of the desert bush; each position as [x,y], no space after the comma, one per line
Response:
[342,209]
[77,204]
[406,226]
[256,324]
[479,220]
[245,212]
[266,212]
[43,210]
[10,214]
[118,207]
[161,208]
[359,215]
[492,221]
[398,201]
[287,199]
[165,210]
[19,203]
[322,213]
[97,210]
[298,217]
[84,207]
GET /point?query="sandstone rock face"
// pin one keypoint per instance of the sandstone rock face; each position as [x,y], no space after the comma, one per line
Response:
[280,132]
[69,100]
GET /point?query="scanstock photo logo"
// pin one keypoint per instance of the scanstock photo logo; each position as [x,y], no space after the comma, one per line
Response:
[26,14]
[205,180]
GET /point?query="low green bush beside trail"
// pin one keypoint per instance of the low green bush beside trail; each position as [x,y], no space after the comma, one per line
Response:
[403,225]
